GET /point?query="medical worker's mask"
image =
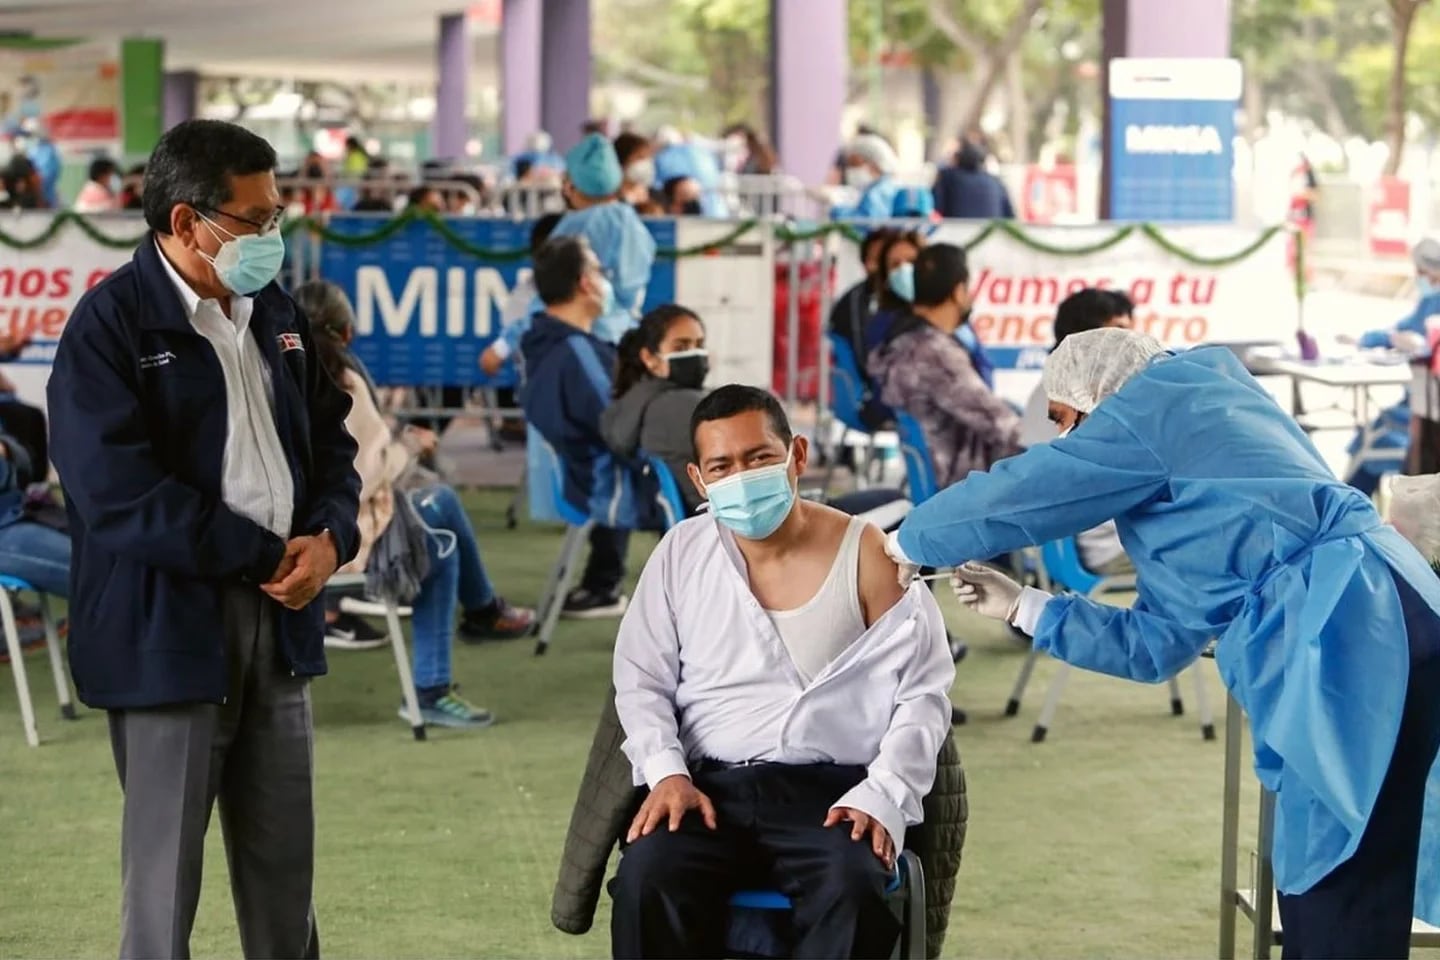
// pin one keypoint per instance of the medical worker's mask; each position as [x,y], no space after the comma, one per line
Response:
[753,503]
[1426,286]
[245,262]
[859,177]
[688,368]
[641,172]
[115,184]
[902,282]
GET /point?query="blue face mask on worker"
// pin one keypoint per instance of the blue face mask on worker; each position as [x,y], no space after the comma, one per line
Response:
[1426,286]
[245,262]
[902,282]
[753,503]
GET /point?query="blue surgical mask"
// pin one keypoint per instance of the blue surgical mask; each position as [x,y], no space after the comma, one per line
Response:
[115,184]
[753,503]
[607,295]
[246,263]
[902,282]
[1426,286]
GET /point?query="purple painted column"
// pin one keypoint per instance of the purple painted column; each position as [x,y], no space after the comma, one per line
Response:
[1145,28]
[809,64]
[451,127]
[565,70]
[520,31]
[181,97]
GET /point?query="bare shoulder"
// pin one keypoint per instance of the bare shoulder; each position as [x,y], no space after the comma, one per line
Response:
[878,576]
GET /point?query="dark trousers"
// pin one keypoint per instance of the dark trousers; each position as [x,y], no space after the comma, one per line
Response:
[672,889]
[1362,909]
[606,566]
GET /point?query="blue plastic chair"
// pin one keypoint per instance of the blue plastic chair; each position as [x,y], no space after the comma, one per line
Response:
[1061,567]
[906,894]
[919,465]
[847,399]
[10,585]
[672,504]
[577,531]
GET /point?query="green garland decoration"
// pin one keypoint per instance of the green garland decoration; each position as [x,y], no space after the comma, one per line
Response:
[57,223]
[783,233]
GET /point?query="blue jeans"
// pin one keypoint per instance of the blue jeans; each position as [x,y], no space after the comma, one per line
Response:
[456,575]
[38,555]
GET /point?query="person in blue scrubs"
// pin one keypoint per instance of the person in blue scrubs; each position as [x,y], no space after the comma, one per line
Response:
[1327,620]
[870,165]
[1407,336]
[625,247]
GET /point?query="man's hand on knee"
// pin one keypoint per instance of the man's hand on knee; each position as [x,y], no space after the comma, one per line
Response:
[861,825]
[671,799]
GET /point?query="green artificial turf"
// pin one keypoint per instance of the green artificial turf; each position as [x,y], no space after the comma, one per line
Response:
[1103,841]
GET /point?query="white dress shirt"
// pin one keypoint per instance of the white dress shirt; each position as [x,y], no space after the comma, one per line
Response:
[700,672]
[255,476]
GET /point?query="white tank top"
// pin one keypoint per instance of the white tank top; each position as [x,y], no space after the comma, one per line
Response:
[820,630]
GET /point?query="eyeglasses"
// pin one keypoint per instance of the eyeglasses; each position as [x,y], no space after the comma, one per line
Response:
[264,227]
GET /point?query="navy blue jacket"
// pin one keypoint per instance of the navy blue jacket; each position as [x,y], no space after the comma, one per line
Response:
[138,433]
[962,194]
[567,386]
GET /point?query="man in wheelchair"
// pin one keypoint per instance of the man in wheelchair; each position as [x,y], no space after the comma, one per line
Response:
[783,698]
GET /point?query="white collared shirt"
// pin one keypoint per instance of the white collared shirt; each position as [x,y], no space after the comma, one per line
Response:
[255,476]
[700,672]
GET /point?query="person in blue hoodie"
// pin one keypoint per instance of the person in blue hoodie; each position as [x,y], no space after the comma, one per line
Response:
[613,231]
[567,387]
[1392,426]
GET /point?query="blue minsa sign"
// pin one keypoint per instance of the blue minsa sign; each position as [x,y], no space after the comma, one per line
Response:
[425,311]
[1172,134]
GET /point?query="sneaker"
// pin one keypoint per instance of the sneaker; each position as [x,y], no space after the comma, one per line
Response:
[350,632]
[958,648]
[500,621]
[451,710]
[582,604]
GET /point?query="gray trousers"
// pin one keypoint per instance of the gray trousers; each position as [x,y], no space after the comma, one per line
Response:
[254,753]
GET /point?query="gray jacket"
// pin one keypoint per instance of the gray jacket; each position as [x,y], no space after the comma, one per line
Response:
[654,416]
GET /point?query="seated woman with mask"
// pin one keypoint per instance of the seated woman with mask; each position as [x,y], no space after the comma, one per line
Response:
[457,575]
[659,380]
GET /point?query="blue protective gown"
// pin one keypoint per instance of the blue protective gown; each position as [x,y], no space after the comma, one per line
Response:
[626,251]
[876,202]
[1238,531]
[1393,423]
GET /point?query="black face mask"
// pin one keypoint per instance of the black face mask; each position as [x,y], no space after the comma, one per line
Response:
[691,208]
[689,370]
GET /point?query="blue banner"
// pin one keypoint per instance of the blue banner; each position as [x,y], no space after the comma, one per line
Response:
[1172,134]
[425,311]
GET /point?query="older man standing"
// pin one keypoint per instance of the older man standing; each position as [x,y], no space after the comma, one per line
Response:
[211,493]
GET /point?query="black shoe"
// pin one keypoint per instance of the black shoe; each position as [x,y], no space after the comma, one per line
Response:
[582,604]
[958,648]
[499,621]
[350,632]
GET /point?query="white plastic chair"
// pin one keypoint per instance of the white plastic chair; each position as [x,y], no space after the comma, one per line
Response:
[392,612]
[8,586]
[1060,563]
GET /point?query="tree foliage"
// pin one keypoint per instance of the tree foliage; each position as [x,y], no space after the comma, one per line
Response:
[1032,63]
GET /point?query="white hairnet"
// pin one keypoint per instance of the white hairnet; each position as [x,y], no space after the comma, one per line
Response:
[1427,255]
[875,150]
[1088,367]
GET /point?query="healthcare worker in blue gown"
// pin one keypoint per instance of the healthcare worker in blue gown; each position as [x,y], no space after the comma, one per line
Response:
[1328,621]
[625,247]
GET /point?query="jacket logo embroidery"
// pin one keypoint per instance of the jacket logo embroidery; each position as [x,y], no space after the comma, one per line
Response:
[289,341]
[156,360]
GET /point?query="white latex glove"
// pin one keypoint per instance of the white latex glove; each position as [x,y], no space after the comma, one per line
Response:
[908,568]
[986,591]
[1410,343]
